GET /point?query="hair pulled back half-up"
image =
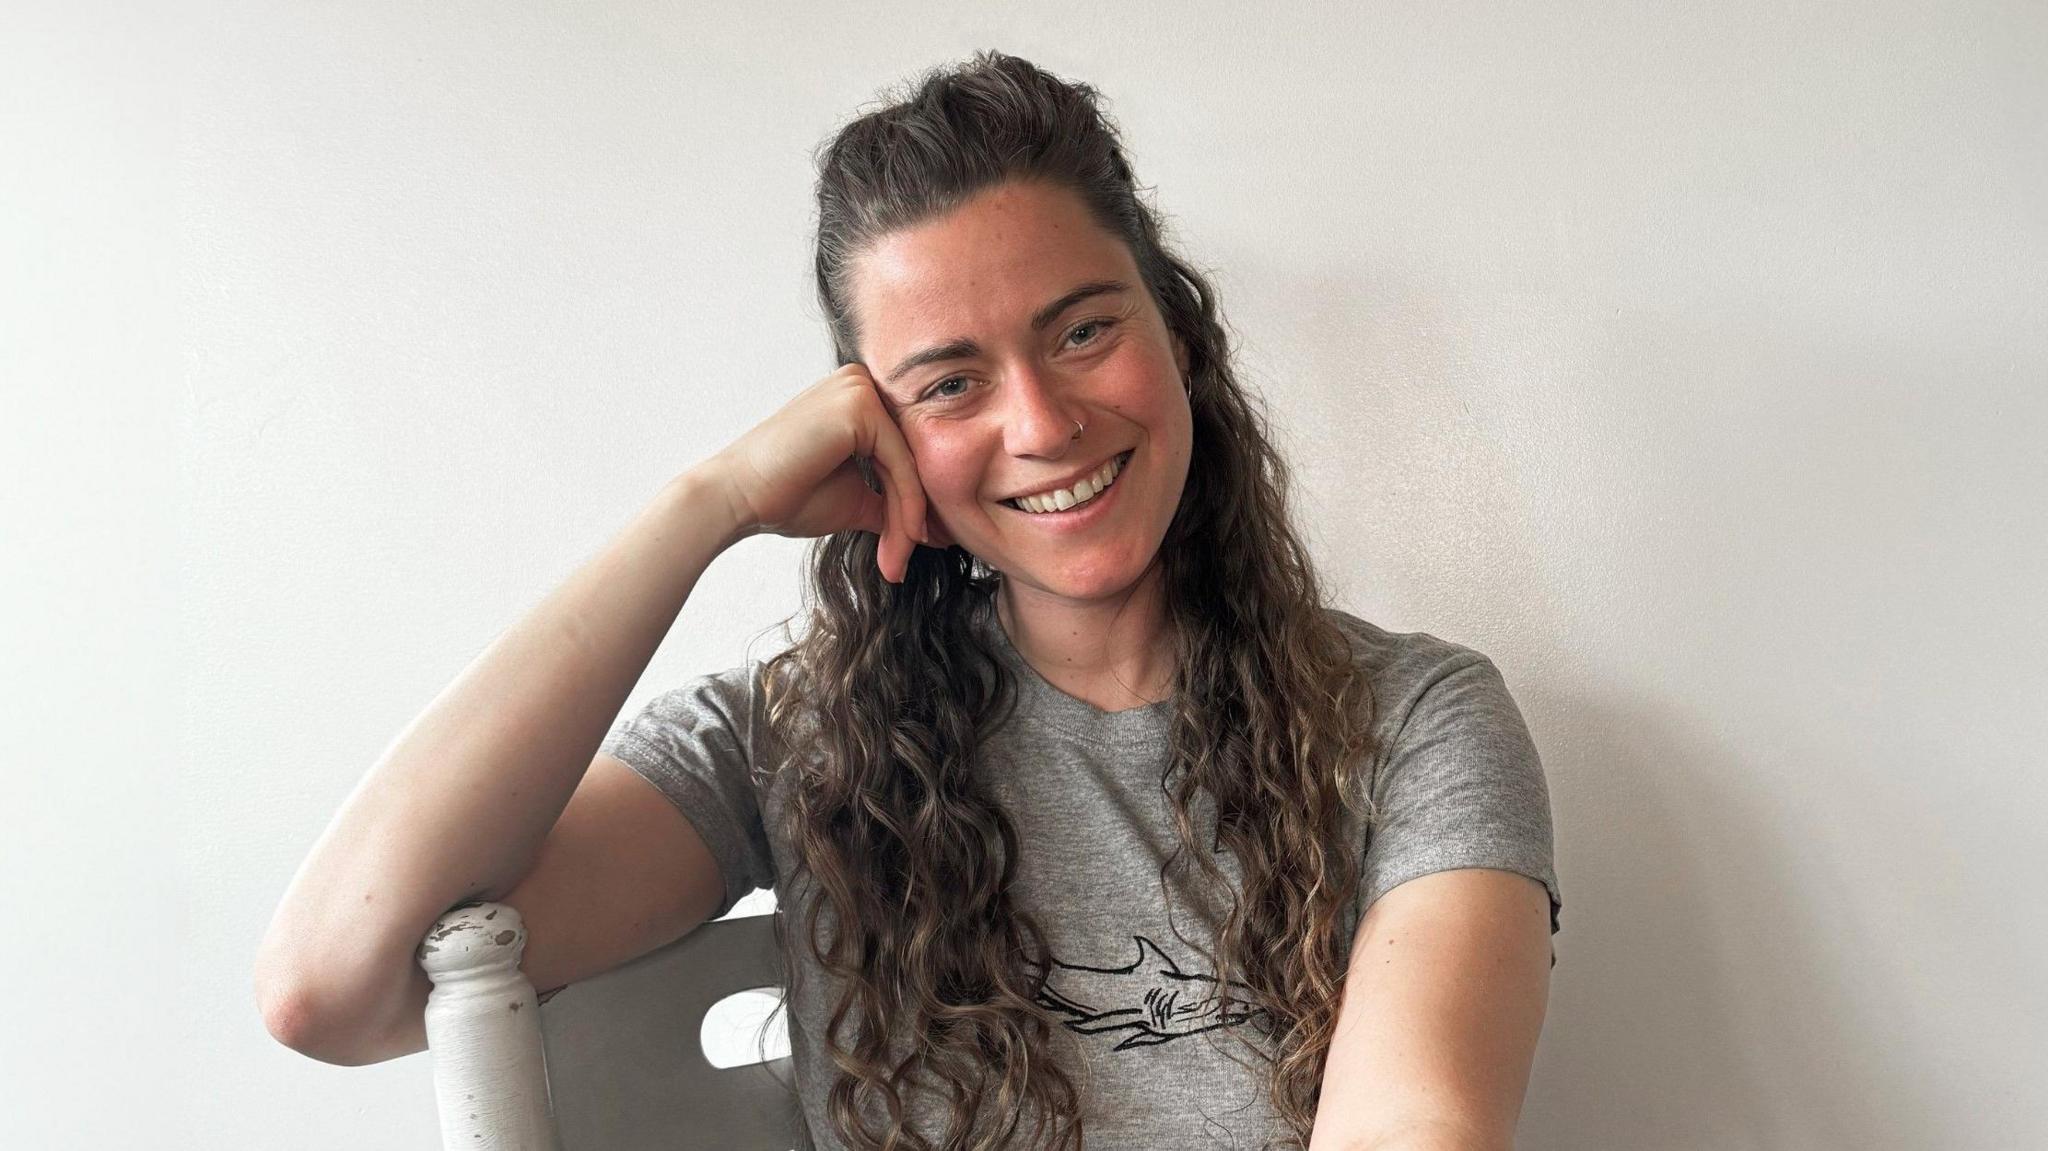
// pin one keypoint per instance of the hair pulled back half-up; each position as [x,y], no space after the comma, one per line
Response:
[891,687]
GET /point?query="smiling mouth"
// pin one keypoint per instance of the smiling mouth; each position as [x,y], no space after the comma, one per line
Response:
[1049,505]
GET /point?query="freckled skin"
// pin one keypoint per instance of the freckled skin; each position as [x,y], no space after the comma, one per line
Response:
[981,272]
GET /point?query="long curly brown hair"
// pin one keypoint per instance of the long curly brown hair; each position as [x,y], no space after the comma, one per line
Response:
[892,686]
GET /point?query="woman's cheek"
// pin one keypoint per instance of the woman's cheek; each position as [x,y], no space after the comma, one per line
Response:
[947,483]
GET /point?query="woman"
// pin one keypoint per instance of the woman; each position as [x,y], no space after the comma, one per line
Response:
[1083,809]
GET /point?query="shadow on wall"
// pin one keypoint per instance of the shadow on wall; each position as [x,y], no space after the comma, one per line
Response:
[1697,1002]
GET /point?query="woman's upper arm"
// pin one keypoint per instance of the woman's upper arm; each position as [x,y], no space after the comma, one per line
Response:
[622,873]
[1443,1003]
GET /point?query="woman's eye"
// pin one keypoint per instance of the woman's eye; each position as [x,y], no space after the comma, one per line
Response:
[933,393]
[1085,324]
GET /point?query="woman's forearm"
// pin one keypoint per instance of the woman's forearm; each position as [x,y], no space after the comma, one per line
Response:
[458,805]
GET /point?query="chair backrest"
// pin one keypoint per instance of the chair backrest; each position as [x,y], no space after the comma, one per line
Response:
[613,1063]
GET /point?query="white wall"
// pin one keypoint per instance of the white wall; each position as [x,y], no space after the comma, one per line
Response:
[1691,364]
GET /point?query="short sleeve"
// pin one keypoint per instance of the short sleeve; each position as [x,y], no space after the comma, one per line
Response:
[695,744]
[1461,786]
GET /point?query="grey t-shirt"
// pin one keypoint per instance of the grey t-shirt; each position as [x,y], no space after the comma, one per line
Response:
[1455,776]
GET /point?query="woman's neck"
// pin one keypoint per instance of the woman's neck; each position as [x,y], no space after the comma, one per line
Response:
[1114,654]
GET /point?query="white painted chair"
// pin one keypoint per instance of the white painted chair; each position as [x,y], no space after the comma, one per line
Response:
[614,1063]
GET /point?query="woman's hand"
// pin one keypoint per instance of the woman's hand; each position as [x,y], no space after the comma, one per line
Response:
[797,473]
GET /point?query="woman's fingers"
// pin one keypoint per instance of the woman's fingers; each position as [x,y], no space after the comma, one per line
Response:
[903,496]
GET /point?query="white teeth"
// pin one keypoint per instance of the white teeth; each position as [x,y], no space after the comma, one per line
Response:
[1080,493]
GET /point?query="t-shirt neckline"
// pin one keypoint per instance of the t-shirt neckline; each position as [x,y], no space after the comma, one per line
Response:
[1071,714]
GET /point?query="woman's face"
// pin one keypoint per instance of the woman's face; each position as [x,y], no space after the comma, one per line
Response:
[986,359]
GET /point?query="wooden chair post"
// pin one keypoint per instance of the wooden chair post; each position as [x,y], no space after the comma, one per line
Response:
[615,1062]
[484,1033]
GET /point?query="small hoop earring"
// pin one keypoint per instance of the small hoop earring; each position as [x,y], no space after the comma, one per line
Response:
[1077,429]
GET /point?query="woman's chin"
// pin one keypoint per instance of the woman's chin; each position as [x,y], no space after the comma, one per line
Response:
[1096,578]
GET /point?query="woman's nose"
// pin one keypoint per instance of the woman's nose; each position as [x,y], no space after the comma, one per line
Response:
[1039,419]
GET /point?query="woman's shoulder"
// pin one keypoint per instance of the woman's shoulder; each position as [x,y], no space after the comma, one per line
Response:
[1401,663]
[1424,686]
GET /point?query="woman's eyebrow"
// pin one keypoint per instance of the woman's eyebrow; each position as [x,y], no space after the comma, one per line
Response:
[961,348]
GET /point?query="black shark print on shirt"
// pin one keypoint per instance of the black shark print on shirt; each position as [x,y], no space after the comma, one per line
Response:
[1151,999]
